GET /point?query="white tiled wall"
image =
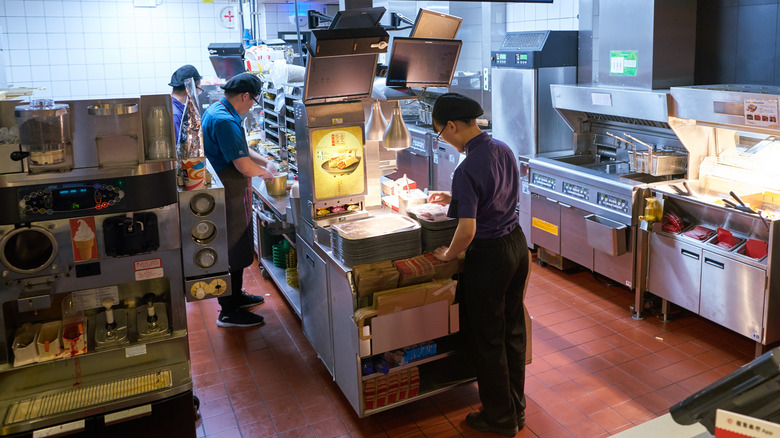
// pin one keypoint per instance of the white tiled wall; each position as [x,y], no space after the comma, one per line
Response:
[90,49]
[109,48]
[558,15]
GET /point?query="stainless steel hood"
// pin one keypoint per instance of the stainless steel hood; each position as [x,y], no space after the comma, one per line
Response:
[708,119]
[723,105]
[579,104]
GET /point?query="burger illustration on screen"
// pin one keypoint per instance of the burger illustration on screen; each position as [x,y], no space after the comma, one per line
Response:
[752,107]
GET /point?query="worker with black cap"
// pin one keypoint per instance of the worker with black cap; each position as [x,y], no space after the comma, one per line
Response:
[224,143]
[484,198]
[179,93]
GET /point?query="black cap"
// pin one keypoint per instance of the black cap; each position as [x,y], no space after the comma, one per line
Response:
[244,83]
[182,74]
[454,106]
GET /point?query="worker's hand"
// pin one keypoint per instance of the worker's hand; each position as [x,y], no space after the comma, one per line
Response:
[270,171]
[440,198]
[441,254]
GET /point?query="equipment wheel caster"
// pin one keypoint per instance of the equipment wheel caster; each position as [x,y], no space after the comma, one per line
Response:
[265,274]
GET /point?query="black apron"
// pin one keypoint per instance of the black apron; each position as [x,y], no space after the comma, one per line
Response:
[238,206]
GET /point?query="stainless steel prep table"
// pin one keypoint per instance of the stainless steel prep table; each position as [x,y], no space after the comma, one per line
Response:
[334,334]
[276,209]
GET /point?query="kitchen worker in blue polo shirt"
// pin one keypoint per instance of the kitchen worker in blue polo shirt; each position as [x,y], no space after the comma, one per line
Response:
[226,149]
[179,93]
[484,198]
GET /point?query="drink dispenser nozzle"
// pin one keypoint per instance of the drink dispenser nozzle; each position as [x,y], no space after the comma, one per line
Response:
[151,317]
[110,323]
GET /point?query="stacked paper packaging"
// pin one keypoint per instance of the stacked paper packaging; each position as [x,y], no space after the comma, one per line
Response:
[391,388]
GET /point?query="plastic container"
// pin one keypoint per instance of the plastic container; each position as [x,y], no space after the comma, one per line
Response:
[44,131]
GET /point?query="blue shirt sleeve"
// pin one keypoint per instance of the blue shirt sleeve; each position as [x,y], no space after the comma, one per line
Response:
[178,110]
[232,143]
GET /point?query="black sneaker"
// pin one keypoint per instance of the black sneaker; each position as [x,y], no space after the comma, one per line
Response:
[249,300]
[477,421]
[239,318]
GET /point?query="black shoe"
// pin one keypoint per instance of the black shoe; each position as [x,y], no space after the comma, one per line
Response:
[239,318]
[477,421]
[248,300]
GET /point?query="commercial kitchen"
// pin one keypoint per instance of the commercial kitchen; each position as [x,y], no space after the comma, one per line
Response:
[645,134]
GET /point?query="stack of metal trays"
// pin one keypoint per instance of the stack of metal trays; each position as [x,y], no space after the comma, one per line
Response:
[384,237]
[437,228]
[435,234]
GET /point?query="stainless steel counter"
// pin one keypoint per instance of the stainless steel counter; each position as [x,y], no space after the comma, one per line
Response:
[277,204]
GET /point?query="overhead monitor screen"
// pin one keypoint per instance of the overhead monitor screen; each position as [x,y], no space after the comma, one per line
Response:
[422,62]
[354,18]
[338,78]
[227,66]
[431,24]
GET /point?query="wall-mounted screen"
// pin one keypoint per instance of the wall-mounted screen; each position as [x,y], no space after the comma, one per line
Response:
[339,78]
[431,24]
[422,62]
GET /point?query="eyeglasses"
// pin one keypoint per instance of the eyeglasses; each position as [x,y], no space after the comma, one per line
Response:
[200,90]
[255,99]
[438,134]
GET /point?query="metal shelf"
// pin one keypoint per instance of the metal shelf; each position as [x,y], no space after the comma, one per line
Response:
[410,365]
[279,277]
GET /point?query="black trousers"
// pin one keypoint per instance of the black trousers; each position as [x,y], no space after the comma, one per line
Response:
[491,292]
[231,302]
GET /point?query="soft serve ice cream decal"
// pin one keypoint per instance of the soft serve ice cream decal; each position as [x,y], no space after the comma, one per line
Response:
[82,233]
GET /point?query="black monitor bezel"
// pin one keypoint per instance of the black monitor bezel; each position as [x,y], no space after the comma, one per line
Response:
[459,43]
[342,19]
[422,16]
[342,97]
[222,64]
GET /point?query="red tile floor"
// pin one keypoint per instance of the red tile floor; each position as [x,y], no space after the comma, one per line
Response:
[595,370]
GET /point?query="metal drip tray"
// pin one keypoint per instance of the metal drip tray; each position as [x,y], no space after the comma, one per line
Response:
[146,330]
[103,338]
[85,396]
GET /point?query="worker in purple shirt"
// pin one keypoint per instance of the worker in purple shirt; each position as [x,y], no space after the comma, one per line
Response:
[484,199]
[179,93]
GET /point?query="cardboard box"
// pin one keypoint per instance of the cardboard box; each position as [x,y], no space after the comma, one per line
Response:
[404,184]
[409,327]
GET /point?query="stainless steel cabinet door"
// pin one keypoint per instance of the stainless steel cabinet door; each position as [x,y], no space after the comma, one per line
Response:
[732,294]
[546,223]
[574,242]
[315,302]
[675,271]
[445,160]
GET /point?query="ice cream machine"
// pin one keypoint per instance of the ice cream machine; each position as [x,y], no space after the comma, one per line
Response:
[93,323]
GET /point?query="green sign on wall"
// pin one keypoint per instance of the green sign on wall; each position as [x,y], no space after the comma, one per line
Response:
[622,63]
